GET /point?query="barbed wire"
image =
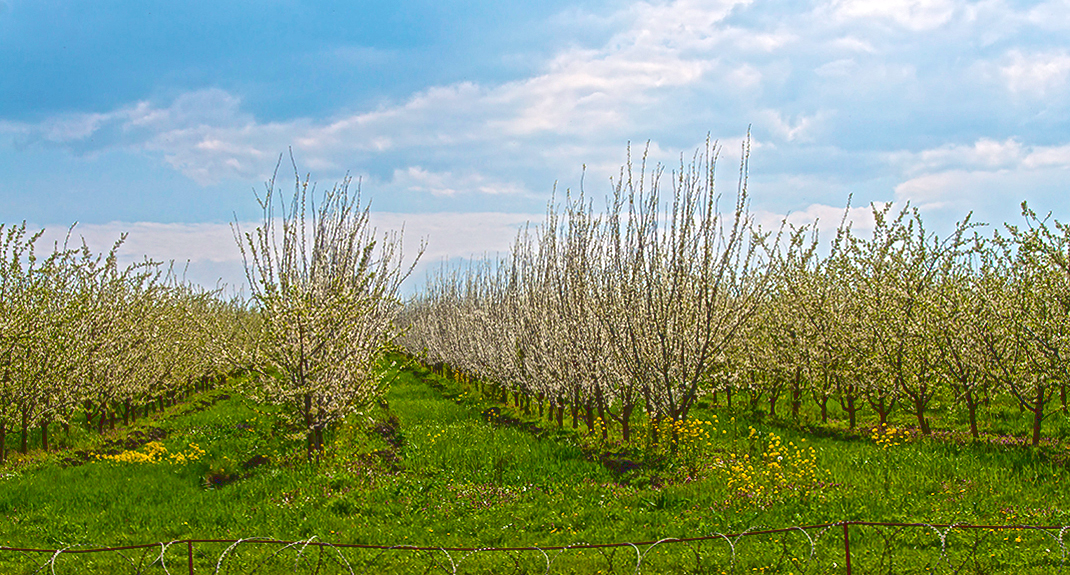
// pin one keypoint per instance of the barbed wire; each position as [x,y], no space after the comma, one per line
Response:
[866,547]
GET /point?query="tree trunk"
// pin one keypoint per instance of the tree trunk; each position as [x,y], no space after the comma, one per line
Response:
[883,406]
[796,394]
[755,398]
[848,403]
[25,446]
[315,443]
[822,400]
[919,411]
[44,435]
[971,410]
[1038,415]
[308,426]
[882,412]
[3,441]
[626,411]
[675,438]
[602,415]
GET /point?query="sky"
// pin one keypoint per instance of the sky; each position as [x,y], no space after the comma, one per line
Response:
[459,119]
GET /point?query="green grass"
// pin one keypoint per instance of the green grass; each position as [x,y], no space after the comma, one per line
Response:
[431,470]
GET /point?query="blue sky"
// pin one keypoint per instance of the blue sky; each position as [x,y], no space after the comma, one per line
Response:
[459,117]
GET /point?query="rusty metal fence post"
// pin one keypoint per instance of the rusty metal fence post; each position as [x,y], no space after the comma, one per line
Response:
[189,555]
[847,547]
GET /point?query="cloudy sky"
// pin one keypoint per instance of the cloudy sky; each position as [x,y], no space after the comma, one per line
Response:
[458,118]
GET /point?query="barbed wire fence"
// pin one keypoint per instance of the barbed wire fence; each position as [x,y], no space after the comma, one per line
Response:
[845,547]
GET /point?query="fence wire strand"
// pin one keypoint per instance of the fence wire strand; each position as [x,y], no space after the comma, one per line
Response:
[875,547]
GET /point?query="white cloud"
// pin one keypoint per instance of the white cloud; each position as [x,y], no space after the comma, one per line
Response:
[1036,74]
[583,91]
[1051,15]
[789,130]
[827,218]
[984,154]
[853,44]
[842,68]
[1050,156]
[580,93]
[73,127]
[916,15]
[213,256]
[417,179]
[162,242]
[993,197]
[939,189]
[745,77]
[456,234]
[204,253]
[987,173]
[824,218]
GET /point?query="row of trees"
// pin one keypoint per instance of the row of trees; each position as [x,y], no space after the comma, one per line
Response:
[661,298]
[903,317]
[83,339]
[633,308]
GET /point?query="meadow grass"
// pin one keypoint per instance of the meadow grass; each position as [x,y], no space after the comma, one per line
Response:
[439,464]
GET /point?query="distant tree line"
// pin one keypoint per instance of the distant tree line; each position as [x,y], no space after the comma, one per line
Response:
[664,296]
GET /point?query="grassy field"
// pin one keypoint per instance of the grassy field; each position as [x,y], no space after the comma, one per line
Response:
[439,465]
